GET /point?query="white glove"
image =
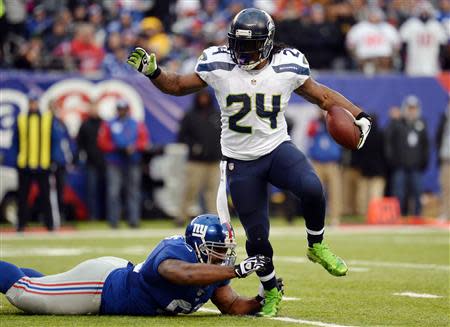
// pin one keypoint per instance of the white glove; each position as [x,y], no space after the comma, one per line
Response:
[364,123]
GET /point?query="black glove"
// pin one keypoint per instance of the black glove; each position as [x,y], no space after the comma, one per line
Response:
[250,265]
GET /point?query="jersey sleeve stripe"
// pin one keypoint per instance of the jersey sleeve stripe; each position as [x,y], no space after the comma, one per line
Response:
[291,68]
[218,65]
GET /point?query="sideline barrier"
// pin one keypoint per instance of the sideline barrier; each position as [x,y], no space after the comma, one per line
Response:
[384,211]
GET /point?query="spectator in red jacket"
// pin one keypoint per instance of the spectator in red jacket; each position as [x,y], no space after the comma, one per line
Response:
[123,140]
[87,55]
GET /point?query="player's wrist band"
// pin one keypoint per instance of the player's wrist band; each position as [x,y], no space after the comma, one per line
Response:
[362,114]
[155,74]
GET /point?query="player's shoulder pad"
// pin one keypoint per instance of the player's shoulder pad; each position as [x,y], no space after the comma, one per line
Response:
[177,244]
[215,58]
[290,60]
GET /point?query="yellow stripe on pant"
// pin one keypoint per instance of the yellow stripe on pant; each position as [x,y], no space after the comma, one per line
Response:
[22,121]
[46,134]
[33,141]
[35,132]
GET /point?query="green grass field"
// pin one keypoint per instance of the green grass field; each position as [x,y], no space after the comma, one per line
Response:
[383,262]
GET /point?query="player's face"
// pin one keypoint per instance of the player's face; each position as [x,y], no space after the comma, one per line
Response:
[218,259]
[247,51]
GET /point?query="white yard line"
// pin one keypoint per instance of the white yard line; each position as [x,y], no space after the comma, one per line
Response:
[297,231]
[418,295]
[288,298]
[358,269]
[288,320]
[307,322]
[406,265]
[11,252]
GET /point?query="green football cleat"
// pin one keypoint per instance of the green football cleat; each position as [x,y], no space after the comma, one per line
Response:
[320,253]
[271,303]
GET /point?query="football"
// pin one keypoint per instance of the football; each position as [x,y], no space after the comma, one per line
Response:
[341,126]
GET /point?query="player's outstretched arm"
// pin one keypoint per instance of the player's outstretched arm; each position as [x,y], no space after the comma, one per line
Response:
[185,273]
[167,82]
[326,98]
[229,302]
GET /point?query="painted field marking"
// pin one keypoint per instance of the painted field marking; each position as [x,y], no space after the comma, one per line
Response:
[407,265]
[359,269]
[418,295]
[8,252]
[282,232]
[289,320]
[288,298]
[307,322]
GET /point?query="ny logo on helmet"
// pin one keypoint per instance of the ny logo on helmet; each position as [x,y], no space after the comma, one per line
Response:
[199,230]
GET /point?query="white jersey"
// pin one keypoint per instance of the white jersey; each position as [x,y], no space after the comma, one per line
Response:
[423,41]
[252,102]
[373,40]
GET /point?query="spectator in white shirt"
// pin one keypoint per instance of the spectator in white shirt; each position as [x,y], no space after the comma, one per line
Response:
[373,43]
[424,38]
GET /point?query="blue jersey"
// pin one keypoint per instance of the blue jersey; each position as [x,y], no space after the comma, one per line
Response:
[141,290]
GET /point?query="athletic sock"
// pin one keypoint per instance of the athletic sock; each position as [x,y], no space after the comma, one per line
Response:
[268,281]
[9,274]
[31,272]
[314,236]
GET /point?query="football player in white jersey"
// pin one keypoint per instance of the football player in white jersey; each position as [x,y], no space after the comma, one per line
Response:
[253,80]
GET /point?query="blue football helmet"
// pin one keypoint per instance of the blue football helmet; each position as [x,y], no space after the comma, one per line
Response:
[250,39]
[211,240]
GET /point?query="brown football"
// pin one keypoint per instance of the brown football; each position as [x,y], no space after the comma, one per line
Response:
[341,126]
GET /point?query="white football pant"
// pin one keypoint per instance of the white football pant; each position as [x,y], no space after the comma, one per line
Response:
[77,291]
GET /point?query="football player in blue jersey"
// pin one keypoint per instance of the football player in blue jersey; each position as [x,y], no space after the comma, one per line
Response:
[179,276]
[253,79]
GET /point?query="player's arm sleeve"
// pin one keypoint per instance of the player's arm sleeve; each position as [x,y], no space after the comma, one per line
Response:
[170,251]
[203,67]
[301,71]
[212,63]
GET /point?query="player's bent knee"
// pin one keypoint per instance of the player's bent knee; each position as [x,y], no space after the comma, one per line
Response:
[258,234]
[312,188]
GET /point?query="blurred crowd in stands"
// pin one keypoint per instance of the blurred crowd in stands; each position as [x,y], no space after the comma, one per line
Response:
[391,163]
[92,36]
[95,36]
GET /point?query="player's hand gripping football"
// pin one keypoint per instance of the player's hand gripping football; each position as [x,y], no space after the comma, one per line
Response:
[250,265]
[143,62]
[364,123]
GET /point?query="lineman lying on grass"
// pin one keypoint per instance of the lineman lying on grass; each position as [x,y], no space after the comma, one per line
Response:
[179,276]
